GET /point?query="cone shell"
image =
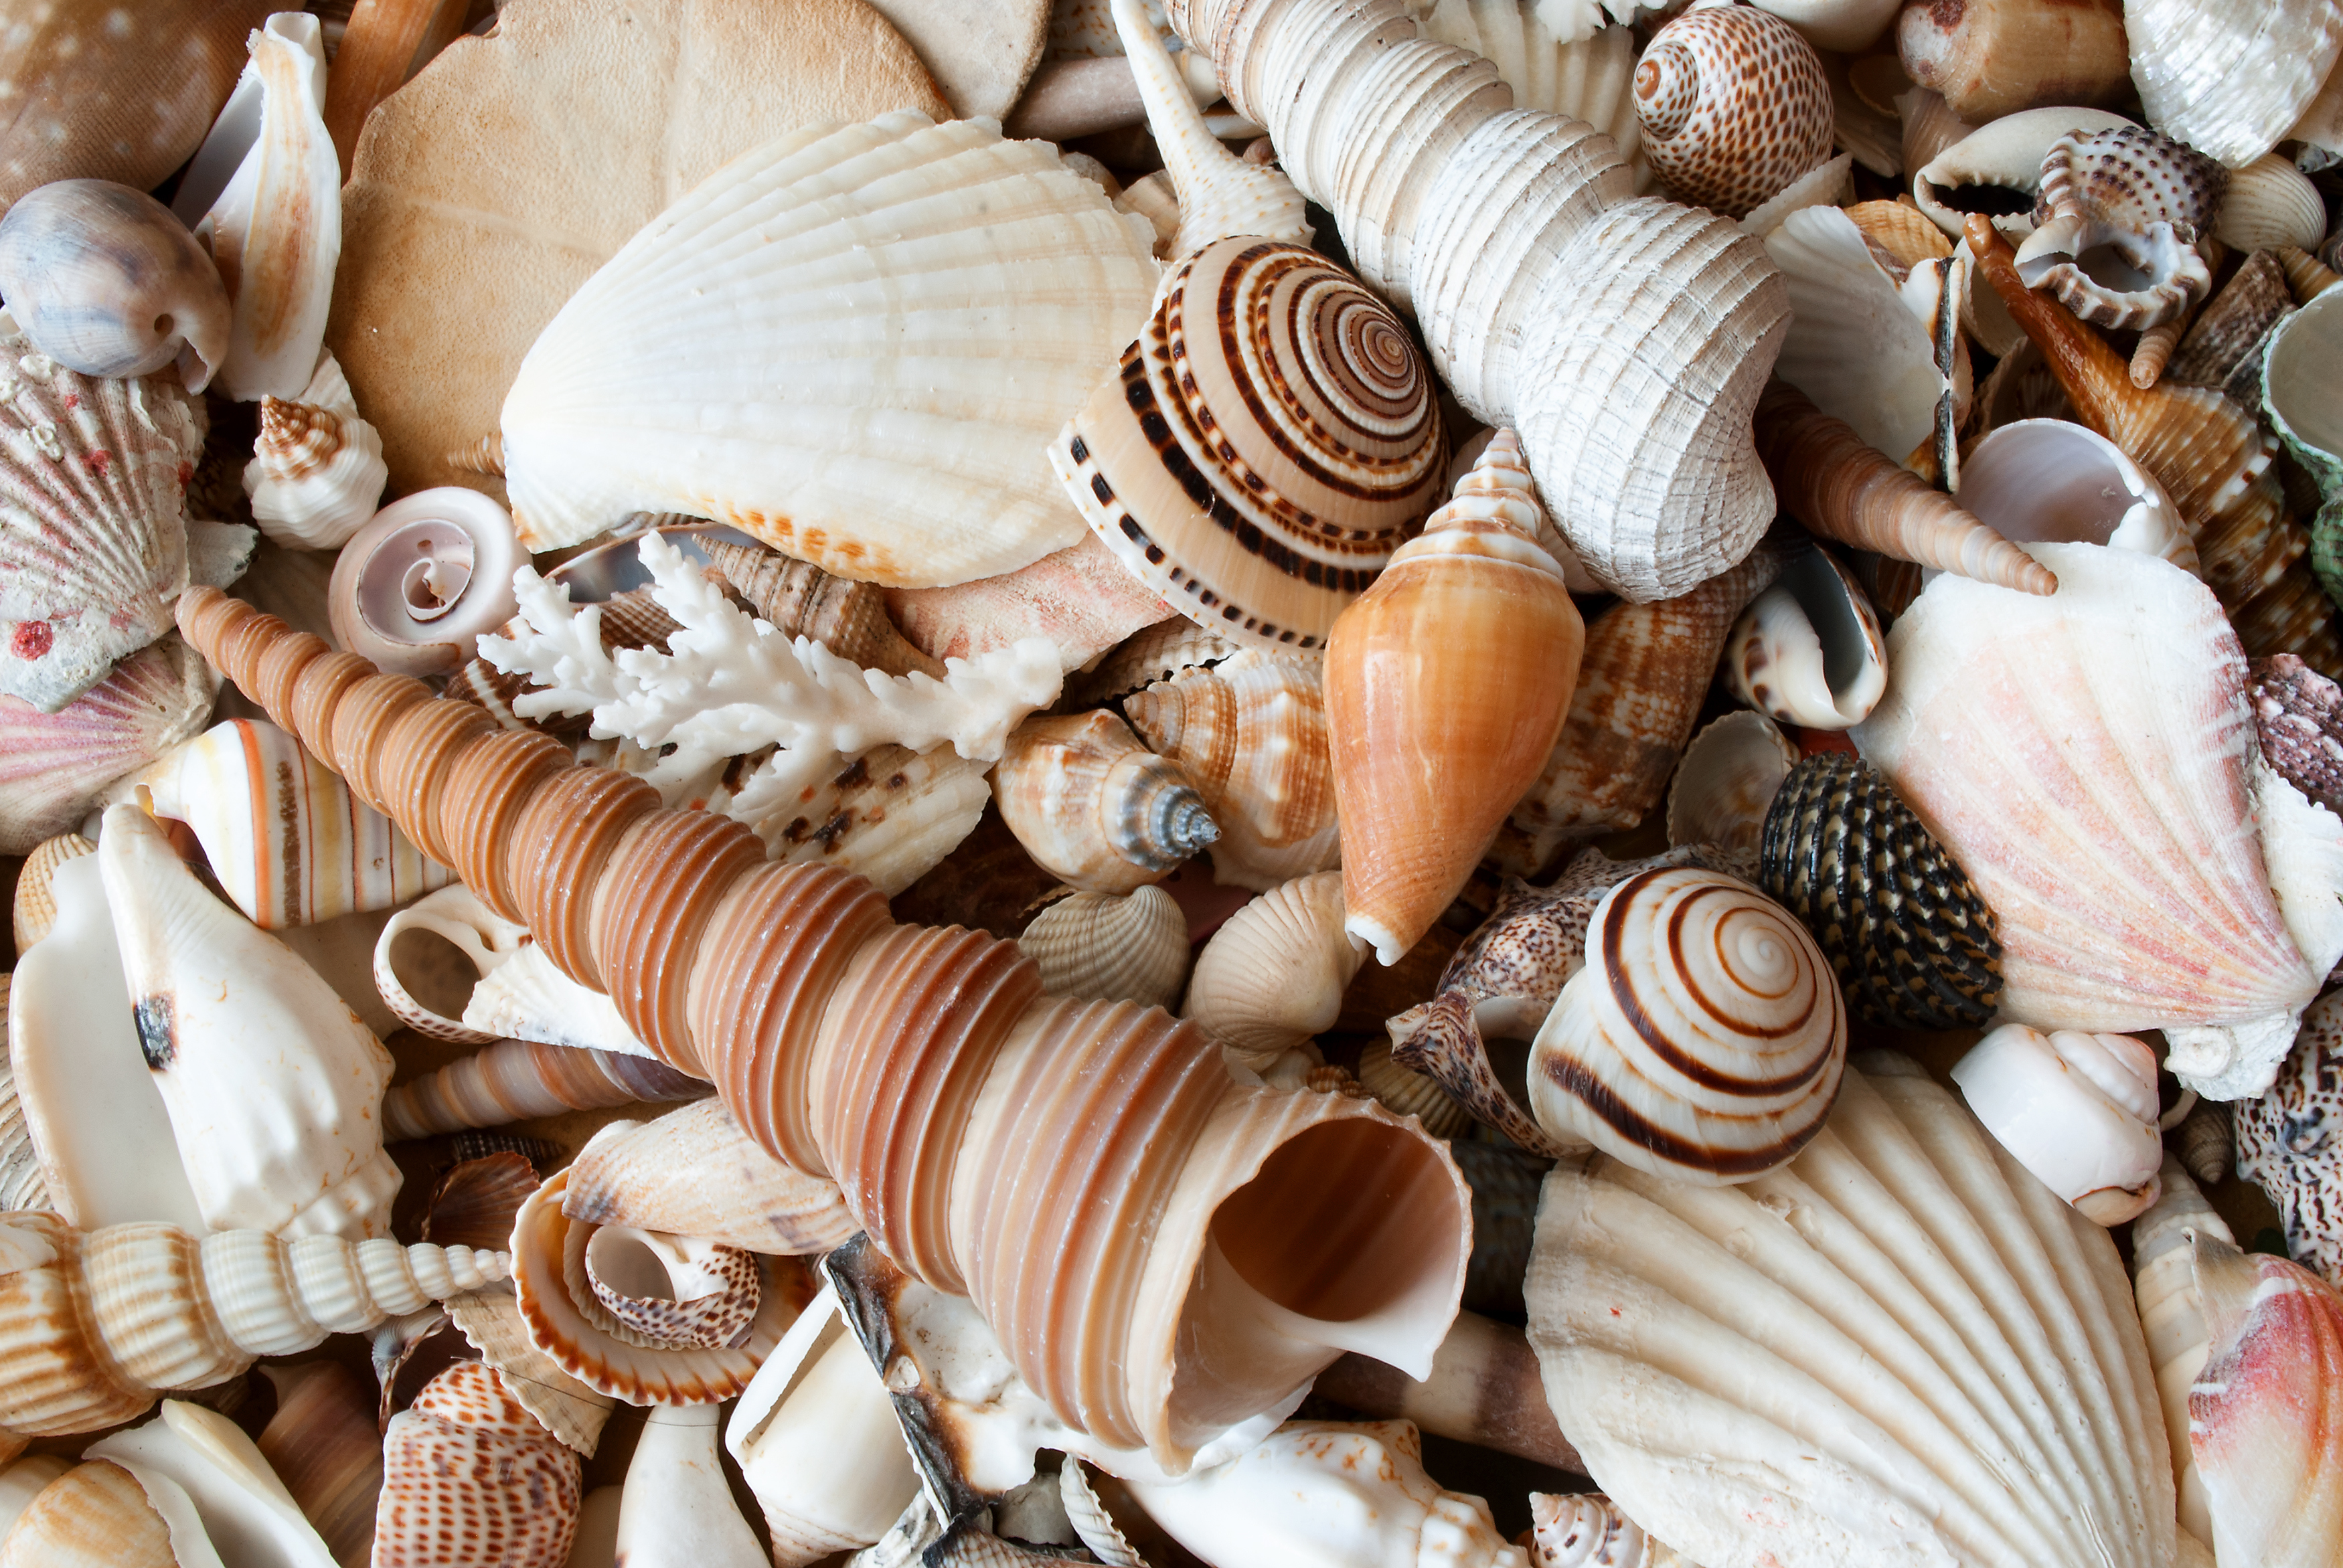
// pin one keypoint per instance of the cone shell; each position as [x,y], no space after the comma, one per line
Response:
[2231,80]
[317,471]
[2077,1109]
[2141,197]
[469,1476]
[106,282]
[1102,947]
[1251,733]
[1274,975]
[2231,327]
[694,1172]
[913,470]
[2287,1141]
[95,1515]
[1905,930]
[1733,106]
[1094,807]
[55,767]
[1445,687]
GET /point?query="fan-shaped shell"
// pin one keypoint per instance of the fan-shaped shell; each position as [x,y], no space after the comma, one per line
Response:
[95,1515]
[1704,1039]
[1104,947]
[2271,203]
[470,1476]
[2077,1109]
[317,468]
[34,908]
[695,1173]
[1274,975]
[55,767]
[2123,195]
[2290,1139]
[1094,807]
[1733,106]
[106,282]
[1899,1344]
[2229,80]
[1011,275]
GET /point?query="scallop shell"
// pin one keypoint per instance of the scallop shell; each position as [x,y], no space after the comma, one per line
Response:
[323,1444]
[490,1321]
[466,1466]
[1406,1093]
[1274,975]
[1997,58]
[891,814]
[1729,776]
[95,1515]
[57,765]
[36,904]
[477,1200]
[2298,719]
[1808,651]
[2164,1283]
[1900,233]
[2304,408]
[237,1500]
[1446,686]
[1105,947]
[2290,1141]
[694,1172]
[1733,106]
[800,599]
[2052,480]
[2077,1109]
[913,470]
[1996,169]
[2271,202]
[1094,807]
[316,469]
[2231,80]
[2138,203]
[106,282]
[1251,733]
[1588,77]
[519,1079]
[677,1511]
[417,585]
[2227,338]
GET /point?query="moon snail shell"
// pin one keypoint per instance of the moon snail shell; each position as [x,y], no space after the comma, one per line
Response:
[416,587]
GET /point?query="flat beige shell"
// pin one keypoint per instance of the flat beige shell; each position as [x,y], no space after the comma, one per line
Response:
[55,768]
[694,1172]
[95,1515]
[1102,947]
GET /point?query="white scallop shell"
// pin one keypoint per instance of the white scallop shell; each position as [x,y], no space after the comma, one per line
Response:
[55,766]
[2077,1109]
[894,319]
[2230,79]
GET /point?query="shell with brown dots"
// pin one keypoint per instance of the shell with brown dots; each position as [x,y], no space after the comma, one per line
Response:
[470,1477]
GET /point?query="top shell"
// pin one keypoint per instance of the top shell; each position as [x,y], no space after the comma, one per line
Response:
[854,343]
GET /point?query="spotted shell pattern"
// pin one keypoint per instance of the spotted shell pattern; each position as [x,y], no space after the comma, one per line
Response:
[2143,195]
[2298,717]
[1733,106]
[470,1476]
[2290,1141]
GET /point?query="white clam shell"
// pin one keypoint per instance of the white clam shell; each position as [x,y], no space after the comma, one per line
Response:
[676,1511]
[2006,153]
[2038,481]
[246,1512]
[2230,79]
[1808,651]
[2077,1109]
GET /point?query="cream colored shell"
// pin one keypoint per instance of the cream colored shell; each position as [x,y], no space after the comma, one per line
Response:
[1274,975]
[1105,947]
[2229,80]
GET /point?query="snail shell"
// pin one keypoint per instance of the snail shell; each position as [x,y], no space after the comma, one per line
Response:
[2290,1139]
[1703,1040]
[1274,975]
[416,587]
[2298,716]
[1733,106]
[2079,1109]
[668,1292]
[2138,196]
[106,282]
[317,468]
[1095,807]
[1809,650]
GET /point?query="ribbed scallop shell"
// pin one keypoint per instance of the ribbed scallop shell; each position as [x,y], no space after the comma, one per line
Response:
[1274,975]
[1094,807]
[694,1172]
[2271,203]
[2140,198]
[1904,930]
[476,1201]
[1249,732]
[1733,106]
[34,908]
[2290,1139]
[1703,1040]
[470,1476]
[1268,386]
[95,1515]
[55,766]
[1104,947]
[785,291]
[1899,1346]
[2229,80]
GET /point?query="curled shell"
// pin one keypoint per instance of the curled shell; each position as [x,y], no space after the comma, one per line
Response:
[694,1172]
[2077,1109]
[95,1515]
[891,814]
[2164,1285]
[1094,807]
[1808,651]
[2052,481]
[2229,80]
[2128,197]
[1733,106]
[423,580]
[2298,719]
[55,768]
[2290,1141]
[1105,947]
[1728,777]
[670,1292]
[1996,169]
[467,1463]
[106,282]
[1904,929]
[516,1080]
[317,468]
[1274,975]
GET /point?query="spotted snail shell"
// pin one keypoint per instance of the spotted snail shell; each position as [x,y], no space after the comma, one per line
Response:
[2144,197]
[1910,938]
[1264,446]
[1733,106]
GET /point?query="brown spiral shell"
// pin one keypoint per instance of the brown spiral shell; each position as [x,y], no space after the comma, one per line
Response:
[1733,106]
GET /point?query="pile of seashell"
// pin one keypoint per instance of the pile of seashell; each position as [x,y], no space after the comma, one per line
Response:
[1588,745]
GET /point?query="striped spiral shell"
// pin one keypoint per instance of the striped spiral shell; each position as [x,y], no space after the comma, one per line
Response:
[1266,445]
[1094,807]
[515,1080]
[1733,106]
[1703,1040]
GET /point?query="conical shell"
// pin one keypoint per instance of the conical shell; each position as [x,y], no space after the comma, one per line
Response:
[2121,858]
[469,1476]
[106,282]
[914,469]
[323,1442]
[1898,1345]
[694,1172]
[1446,688]
[1094,807]
[2229,80]
[317,471]
[2077,1109]
[2143,200]
[1733,106]
[2287,1141]
[1905,930]
[1102,947]
[95,1515]
[1251,733]
[1274,975]
[516,1080]
[2233,324]
[55,766]
[34,909]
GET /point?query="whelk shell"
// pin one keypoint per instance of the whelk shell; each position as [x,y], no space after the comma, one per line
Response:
[1094,807]
[1733,106]
[2290,1141]
[2077,1109]
[2132,204]
[1108,947]
[468,1474]
[317,468]
[104,281]
[55,767]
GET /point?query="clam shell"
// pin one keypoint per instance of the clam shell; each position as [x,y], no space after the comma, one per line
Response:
[2231,80]
[1733,106]
[1729,776]
[1274,975]
[106,282]
[57,765]
[1996,169]
[2270,204]
[1104,947]
[1903,232]
[238,1501]
[1094,807]
[2132,204]
[2077,1109]
[95,1515]
[2288,1141]
[476,1201]
[467,1463]
[1808,651]
[316,469]
[36,903]
[995,257]
[694,1172]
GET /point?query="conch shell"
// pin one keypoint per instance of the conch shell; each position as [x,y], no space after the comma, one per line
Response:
[2077,1109]
[106,282]
[1094,807]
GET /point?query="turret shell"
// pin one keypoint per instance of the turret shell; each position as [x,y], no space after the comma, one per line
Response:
[316,469]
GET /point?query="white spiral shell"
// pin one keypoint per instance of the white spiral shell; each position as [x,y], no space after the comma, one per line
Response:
[2077,1109]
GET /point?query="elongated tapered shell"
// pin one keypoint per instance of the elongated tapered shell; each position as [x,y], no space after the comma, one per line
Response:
[55,767]
[1571,72]
[800,599]
[1094,807]
[1103,947]
[1899,1344]
[694,1172]
[1013,276]
[516,1079]
[22,1183]
[468,1475]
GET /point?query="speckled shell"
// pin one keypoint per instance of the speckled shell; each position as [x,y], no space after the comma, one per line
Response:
[1733,106]
[2229,80]
[2144,197]
[704,1295]
[891,814]
[1808,651]
[1104,947]
[1094,807]
[55,767]
[1587,1530]
[2298,718]
[2290,1141]
[469,1476]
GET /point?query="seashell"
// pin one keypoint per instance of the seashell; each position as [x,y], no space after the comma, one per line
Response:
[1707,1043]
[1484,1389]
[1094,807]
[1080,597]
[1104,947]
[404,589]
[1092,1523]
[2122,867]
[1729,776]
[270,1081]
[1900,232]
[2231,81]
[1689,1331]
[800,599]
[891,814]
[1641,683]
[2265,1413]
[1406,1093]
[323,1444]
[2308,416]
[22,1184]
[677,1511]
[104,281]
[1733,106]
[2164,1284]
[477,1200]
[794,472]
[316,469]
[275,229]
[1274,975]
[695,1173]
[22,1480]
[1505,1211]
[2077,1109]
[491,1323]
[2288,1141]
[2270,204]
[282,836]
[2053,481]
[1588,77]
[518,1079]
[1988,61]
[1436,725]
[57,765]
[34,909]
[95,1515]
[2298,719]
[1808,650]
[1930,128]
[2229,331]
[1161,652]
[666,1291]
[466,1466]
[2307,276]
[1251,733]
[2137,203]
[104,1320]
[860,997]
[2206,1142]
[1996,169]
[2210,456]
[238,1503]
[1587,1530]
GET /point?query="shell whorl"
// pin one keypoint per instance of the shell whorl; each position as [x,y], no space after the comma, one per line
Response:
[514,1079]
[1733,106]
[1094,807]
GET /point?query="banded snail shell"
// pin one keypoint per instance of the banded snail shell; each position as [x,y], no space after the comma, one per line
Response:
[1266,444]
[1703,1040]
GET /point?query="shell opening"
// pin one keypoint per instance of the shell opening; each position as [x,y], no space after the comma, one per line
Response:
[2051,481]
[630,1263]
[437,974]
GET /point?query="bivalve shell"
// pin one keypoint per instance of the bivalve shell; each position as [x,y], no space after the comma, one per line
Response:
[1105,947]
[55,768]
[470,1476]
[2271,203]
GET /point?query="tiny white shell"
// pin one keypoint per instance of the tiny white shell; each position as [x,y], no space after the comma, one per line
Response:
[2077,1109]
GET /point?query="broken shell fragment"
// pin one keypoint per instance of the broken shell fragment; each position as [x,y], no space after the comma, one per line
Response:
[95,1515]
[2305,409]
[676,1511]
[2077,1109]
[104,281]
[421,582]
[1988,61]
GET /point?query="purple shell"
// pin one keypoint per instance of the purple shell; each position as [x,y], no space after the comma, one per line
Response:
[2300,714]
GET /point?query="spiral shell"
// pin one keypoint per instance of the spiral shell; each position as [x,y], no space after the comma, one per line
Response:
[1161,652]
[1703,1040]
[1587,1530]
[417,585]
[1808,651]
[669,1293]
[516,1079]
[800,599]
[1266,386]
[100,1321]
[106,282]
[2290,1139]
[694,1172]
[470,1476]
[2142,198]
[1733,106]
[2298,717]
[2077,1109]
[317,468]
[1103,947]
[2223,347]
[1094,807]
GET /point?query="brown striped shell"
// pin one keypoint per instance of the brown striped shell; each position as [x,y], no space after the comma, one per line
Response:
[324,1445]
[469,1476]
[2225,344]
[800,599]
[2298,716]
[515,1080]
[669,1293]
[1733,106]
[1096,809]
